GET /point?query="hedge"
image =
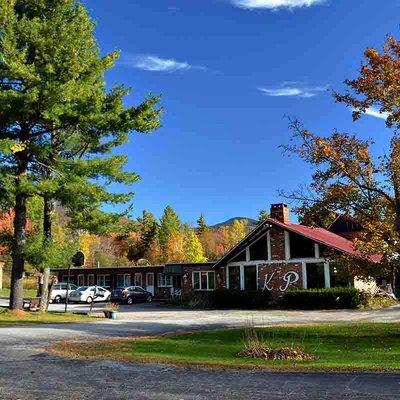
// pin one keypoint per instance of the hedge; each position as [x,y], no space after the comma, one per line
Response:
[231,298]
[228,298]
[332,298]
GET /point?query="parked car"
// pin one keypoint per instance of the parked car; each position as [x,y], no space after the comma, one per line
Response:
[59,292]
[88,294]
[131,294]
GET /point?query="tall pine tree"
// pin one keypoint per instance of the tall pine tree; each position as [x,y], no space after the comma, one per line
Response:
[57,120]
[169,225]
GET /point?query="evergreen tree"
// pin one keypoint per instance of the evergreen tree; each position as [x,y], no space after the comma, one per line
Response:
[145,234]
[263,215]
[57,121]
[201,225]
[169,225]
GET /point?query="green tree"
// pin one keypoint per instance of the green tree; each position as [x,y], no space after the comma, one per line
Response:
[58,121]
[192,247]
[201,225]
[169,224]
[145,233]
[263,215]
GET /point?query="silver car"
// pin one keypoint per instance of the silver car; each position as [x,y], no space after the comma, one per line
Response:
[59,292]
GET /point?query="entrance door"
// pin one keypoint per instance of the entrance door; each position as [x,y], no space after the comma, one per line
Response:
[150,282]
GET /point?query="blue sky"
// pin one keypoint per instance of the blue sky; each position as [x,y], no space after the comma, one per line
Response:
[228,72]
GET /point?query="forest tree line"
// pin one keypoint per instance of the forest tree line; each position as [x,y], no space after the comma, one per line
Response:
[140,241]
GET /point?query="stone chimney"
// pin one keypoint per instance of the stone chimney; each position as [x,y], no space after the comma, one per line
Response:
[280,212]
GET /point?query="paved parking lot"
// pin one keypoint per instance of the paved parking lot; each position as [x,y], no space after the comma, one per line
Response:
[30,373]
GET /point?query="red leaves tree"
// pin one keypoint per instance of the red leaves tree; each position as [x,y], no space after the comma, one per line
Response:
[347,178]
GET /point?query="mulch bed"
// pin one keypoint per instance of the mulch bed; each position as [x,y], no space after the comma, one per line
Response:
[283,353]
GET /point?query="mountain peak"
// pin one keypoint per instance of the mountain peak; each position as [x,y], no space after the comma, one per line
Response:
[250,222]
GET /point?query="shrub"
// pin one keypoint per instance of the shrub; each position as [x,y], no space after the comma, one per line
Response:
[377,302]
[227,298]
[332,298]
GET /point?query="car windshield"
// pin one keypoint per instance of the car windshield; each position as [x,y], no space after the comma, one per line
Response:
[81,288]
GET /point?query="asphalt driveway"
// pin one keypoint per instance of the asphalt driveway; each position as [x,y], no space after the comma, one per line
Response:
[28,372]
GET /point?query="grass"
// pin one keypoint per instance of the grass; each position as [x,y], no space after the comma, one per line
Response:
[26,318]
[5,292]
[337,347]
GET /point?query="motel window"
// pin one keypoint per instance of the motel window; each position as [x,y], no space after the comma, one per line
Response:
[301,247]
[250,277]
[204,280]
[81,280]
[90,280]
[315,275]
[104,280]
[64,278]
[339,278]
[138,279]
[164,280]
[234,277]
[259,249]
[123,280]
[240,257]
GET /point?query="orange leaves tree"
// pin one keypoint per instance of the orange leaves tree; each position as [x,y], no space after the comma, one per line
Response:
[346,177]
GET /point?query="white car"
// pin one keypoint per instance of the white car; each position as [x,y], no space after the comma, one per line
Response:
[59,292]
[88,294]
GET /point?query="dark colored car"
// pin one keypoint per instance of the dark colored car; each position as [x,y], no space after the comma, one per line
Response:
[130,295]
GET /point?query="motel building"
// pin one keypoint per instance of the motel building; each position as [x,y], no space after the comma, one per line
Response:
[276,255]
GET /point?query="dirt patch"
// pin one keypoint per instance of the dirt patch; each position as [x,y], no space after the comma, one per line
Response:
[283,353]
[17,313]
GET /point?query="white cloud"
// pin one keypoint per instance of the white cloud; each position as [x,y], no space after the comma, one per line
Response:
[374,112]
[157,64]
[289,89]
[275,4]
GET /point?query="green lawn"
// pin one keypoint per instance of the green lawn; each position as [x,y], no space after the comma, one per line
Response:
[338,347]
[26,317]
[27,292]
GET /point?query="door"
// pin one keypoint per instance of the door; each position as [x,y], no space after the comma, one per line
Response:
[150,282]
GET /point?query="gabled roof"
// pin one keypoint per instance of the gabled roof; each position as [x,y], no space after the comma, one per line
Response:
[319,235]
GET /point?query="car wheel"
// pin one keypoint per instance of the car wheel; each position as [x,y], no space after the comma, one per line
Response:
[149,299]
[108,298]
[89,300]
[129,300]
[57,299]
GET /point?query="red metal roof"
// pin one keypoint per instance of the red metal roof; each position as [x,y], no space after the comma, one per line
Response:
[325,237]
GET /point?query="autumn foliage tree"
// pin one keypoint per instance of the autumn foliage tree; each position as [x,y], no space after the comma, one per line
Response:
[347,178]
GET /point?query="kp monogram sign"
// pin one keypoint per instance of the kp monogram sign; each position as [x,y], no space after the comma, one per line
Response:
[288,279]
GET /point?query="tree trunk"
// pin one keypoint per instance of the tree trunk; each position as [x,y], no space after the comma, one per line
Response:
[395,176]
[53,281]
[40,286]
[17,273]
[47,223]
[45,291]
